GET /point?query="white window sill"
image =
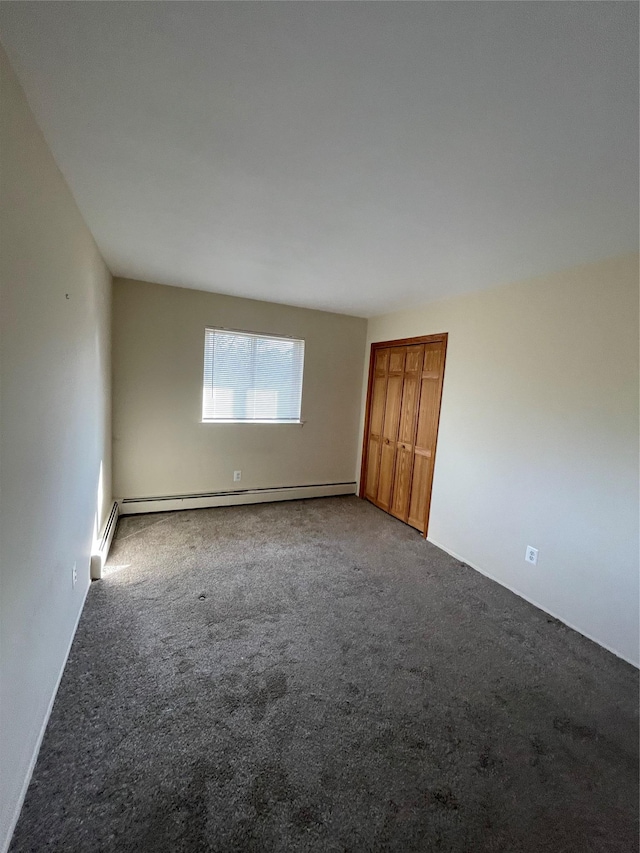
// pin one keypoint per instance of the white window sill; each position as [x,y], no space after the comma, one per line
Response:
[247,421]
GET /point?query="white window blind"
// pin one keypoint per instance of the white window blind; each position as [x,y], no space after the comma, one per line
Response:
[250,377]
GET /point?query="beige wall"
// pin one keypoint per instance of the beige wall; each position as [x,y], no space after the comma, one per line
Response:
[538,441]
[55,431]
[160,445]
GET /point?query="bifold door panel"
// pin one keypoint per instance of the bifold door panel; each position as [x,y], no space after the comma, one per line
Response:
[401,427]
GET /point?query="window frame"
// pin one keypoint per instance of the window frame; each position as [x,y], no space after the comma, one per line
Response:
[248,333]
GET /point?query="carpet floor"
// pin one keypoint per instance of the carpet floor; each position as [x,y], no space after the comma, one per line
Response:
[314,676]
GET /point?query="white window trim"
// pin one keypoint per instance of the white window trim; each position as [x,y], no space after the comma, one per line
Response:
[279,421]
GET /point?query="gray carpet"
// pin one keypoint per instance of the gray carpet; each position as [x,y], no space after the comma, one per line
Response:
[313,676]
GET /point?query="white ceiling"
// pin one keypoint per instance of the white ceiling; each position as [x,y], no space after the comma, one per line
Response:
[354,157]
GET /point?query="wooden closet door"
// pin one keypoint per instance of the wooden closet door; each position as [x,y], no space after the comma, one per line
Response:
[393,400]
[426,434]
[403,409]
[403,468]
[376,420]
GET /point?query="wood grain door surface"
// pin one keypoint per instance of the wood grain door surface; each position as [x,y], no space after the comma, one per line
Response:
[401,427]
[392,411]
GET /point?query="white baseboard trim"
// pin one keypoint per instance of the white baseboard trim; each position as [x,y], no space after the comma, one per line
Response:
[99,557]
[27,781]
[535,603]
[237,497]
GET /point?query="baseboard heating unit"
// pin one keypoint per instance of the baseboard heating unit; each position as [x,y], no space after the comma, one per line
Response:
[101,552]
[235,497]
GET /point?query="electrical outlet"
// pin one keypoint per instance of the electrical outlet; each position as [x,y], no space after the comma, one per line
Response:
[237,476]
[74,575]
[531,555]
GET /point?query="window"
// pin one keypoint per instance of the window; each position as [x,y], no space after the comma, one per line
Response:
[251,378]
